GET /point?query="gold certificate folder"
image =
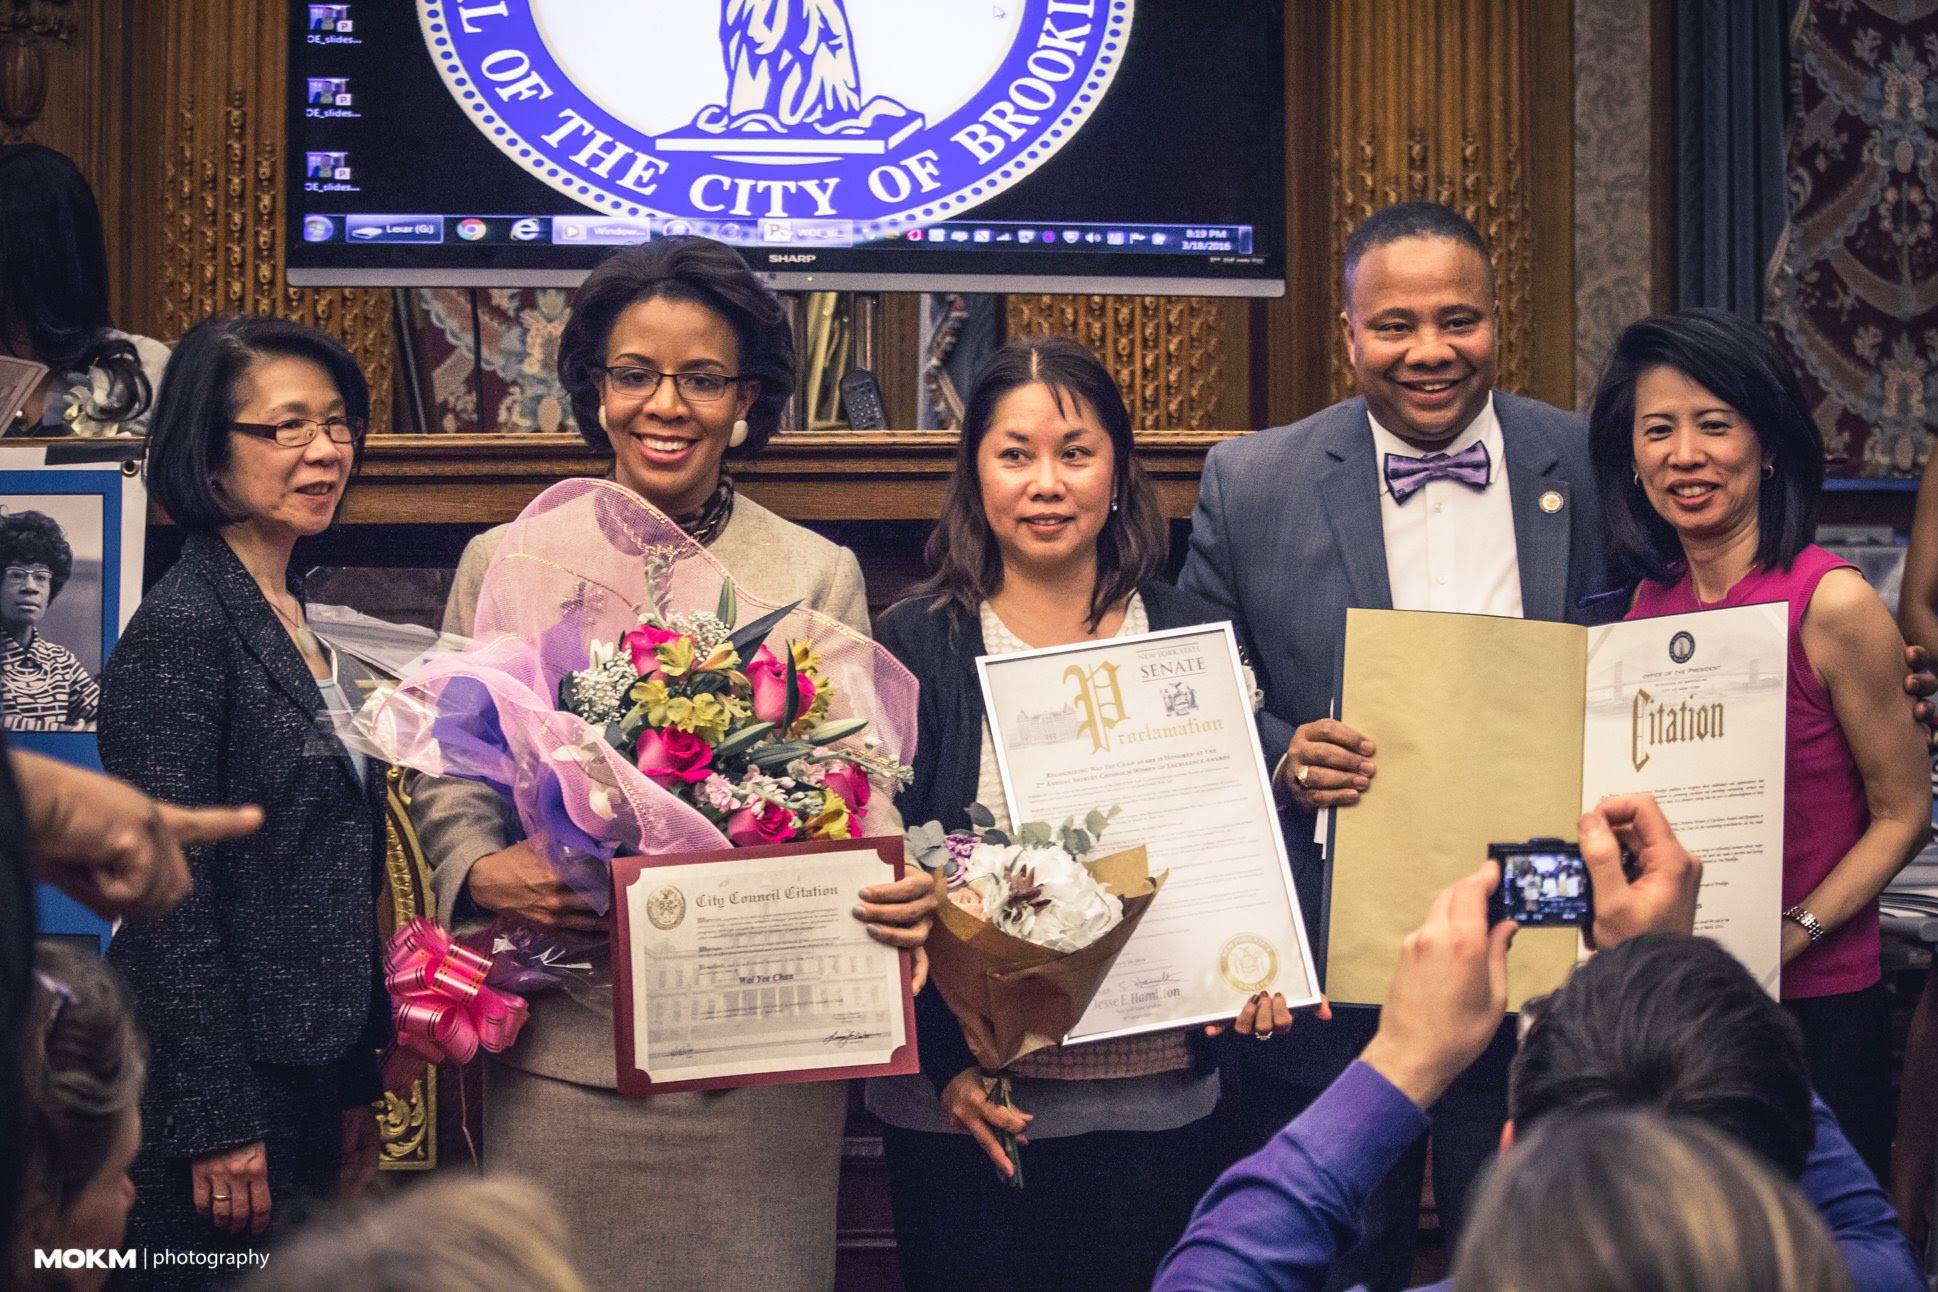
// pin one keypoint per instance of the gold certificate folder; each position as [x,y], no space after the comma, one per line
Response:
[1477,725]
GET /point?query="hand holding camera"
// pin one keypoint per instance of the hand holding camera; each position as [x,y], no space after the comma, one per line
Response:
[1658,893]
[1449,992]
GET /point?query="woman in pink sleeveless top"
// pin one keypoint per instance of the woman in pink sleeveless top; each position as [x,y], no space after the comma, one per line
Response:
[1710,469]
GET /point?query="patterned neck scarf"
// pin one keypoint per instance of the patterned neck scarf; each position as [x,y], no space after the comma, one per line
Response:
[704,524]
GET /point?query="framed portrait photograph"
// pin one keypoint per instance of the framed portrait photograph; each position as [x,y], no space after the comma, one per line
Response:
[72,534]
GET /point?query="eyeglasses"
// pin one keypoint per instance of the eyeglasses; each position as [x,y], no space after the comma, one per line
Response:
[696,387]
[297,432]
[33,576]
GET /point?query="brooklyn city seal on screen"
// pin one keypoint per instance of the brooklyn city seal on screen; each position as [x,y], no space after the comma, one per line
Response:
[880,112]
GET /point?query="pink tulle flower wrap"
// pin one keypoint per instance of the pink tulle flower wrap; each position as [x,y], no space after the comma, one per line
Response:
[573,570]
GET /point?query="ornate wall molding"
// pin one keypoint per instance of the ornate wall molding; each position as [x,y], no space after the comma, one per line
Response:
[221,200]
[1174,357]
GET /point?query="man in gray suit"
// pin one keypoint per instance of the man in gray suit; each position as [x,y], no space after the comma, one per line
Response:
[1430,490]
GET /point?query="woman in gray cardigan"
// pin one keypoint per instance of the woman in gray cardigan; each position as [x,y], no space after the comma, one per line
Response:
[675,357]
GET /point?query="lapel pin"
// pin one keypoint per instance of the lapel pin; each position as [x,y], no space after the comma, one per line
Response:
[1551,501]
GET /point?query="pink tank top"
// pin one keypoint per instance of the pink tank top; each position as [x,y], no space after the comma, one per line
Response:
[1824,811]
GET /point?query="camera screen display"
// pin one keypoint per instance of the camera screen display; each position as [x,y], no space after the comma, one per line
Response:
[1546,887]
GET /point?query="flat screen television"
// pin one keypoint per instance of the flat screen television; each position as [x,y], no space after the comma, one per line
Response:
[928,145]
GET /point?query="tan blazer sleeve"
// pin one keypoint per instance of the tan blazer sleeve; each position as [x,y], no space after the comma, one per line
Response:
[459,821]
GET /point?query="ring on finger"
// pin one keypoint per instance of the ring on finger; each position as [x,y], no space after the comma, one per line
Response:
[1262,1036]
[1299,772]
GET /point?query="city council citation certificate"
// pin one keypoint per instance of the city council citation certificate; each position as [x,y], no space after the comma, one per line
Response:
[746,966]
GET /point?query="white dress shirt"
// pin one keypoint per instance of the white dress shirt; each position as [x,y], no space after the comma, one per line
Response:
[1450,546]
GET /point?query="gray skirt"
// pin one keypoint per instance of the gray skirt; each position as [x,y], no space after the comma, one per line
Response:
[734,1189]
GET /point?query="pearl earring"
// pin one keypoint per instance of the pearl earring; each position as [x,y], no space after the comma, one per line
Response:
[739,436]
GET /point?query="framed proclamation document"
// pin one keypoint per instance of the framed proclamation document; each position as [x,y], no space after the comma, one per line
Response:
[746,966]
[1160,725]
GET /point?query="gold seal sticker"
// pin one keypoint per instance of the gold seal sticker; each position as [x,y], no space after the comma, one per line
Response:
[1551,501]
[666,907]
[1249,963]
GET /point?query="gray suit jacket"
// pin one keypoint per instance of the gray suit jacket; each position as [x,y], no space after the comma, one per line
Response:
[569,1037]
[1287,537]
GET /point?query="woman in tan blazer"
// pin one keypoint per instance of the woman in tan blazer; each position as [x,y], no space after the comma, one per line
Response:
[675,357]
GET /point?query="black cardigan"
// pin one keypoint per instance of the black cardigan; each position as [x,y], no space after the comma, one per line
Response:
[939,643]
[273,957]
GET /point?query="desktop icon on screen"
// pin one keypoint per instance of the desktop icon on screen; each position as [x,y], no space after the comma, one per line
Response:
[472,229]
[980,235]
[326,166]
[1026,235]
[916,235]
[527,230]
[318,228]
[329,91]
[1049,235]
[1114,238]
[330,17]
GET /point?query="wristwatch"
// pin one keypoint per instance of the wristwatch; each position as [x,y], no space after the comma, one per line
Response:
[1803,919]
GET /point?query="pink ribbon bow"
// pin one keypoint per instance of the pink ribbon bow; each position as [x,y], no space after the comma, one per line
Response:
[439,1000]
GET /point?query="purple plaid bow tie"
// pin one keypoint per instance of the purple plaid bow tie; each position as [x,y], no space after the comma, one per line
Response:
[1406,476]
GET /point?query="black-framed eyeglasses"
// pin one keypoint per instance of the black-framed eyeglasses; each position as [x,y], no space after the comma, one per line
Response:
[297,432]
[635,382]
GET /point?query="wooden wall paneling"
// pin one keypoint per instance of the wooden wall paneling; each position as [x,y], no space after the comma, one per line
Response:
[896,369]
[1465,102]
[221,250]
[1550,167]
[1182,362]
[804,475]
[1295,336]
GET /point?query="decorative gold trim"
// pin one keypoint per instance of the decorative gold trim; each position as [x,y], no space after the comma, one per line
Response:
[1166,352]
[407,1126]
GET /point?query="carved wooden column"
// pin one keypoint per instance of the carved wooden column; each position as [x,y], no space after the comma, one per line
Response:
[1180,360]
[1469,103]
[221,204]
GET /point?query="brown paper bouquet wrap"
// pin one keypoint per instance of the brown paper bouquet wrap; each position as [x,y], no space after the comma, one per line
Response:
[1014,997]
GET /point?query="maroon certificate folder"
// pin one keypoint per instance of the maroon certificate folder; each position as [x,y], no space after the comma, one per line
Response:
[744,966]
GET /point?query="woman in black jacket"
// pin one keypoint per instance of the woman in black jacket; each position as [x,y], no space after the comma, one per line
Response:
[1049,534]
[260,994]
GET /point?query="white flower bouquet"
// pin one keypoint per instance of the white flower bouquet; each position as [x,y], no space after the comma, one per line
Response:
[1028,930]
